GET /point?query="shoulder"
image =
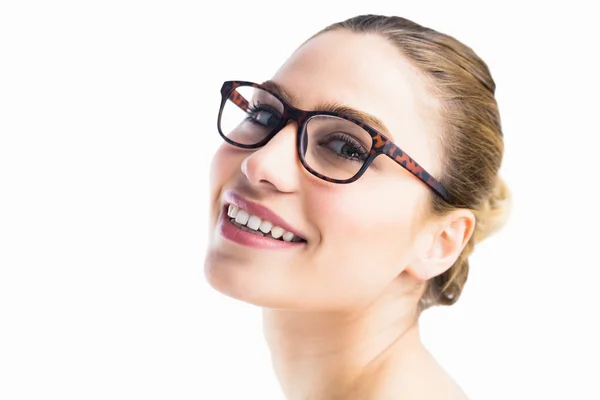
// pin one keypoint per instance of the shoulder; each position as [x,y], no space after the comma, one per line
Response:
[423,379]
[434,386]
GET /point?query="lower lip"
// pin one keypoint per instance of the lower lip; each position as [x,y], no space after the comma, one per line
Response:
[235,234]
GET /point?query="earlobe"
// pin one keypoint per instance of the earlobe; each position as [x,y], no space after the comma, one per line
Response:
[446,241]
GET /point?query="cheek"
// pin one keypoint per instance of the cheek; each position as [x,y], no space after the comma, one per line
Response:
[366,238]
[225,163]
[370,213]
[373,224]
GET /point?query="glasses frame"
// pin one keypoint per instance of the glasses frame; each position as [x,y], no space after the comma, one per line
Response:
[381,144]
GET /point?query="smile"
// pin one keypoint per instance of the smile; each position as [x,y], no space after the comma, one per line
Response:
[255,225]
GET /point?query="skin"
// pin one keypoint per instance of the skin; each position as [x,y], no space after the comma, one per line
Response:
[340,312]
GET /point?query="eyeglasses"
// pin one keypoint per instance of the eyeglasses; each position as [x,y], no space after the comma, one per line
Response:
[332,146]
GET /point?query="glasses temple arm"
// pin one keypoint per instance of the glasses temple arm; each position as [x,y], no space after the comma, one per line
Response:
[398,155]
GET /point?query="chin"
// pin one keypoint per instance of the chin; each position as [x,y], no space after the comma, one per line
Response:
[241,281]
[223,275]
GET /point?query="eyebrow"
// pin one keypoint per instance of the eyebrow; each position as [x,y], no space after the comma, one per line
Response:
[278,90]
[334,107]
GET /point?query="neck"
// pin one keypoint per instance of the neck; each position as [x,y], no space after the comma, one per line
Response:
[330,355]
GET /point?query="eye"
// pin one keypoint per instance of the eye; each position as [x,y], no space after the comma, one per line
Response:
[345,146]
[263,115]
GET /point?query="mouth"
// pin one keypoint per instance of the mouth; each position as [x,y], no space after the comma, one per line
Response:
[255,225]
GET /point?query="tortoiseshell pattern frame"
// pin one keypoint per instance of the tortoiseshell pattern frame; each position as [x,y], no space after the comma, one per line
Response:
[381,144]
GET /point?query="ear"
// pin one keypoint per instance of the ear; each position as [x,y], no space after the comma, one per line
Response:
[441,243]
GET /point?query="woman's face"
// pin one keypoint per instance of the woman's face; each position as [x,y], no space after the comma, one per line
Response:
[358,237]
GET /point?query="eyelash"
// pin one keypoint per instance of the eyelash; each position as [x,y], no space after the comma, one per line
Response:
[360,149]
[350,140]
[253,108]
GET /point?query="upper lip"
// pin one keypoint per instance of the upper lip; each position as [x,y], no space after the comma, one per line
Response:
[260,211]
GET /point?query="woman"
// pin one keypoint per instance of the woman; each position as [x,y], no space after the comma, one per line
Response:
[346,199]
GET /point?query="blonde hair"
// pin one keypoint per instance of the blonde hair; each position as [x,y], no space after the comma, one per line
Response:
[471,136]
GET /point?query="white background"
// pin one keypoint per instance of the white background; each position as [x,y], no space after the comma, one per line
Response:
[107,125]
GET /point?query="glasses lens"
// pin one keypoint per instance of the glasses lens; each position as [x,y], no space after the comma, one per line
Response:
[250,115]
[335,147]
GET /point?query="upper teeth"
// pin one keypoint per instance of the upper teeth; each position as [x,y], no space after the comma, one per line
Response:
[243,217]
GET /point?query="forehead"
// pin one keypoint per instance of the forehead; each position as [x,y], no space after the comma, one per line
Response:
[365,72]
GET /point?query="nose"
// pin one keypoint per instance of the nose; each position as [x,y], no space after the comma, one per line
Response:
[275,166]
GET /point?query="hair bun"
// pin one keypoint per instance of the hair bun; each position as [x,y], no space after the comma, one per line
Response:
[494,211]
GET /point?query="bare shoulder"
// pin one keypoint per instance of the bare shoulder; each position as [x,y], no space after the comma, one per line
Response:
[446,389]
[434,385]
[422,379]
